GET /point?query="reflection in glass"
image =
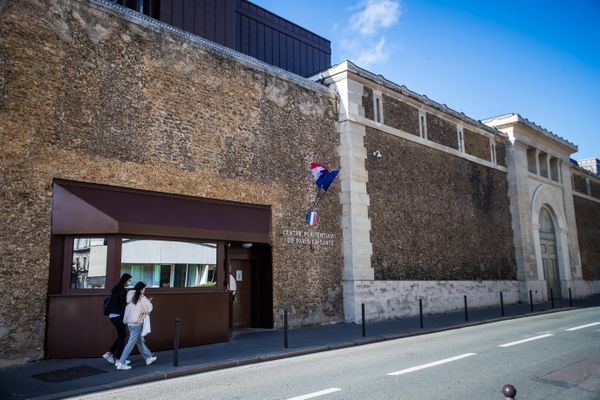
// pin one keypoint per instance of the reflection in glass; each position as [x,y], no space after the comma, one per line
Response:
[88,267]
[170,264]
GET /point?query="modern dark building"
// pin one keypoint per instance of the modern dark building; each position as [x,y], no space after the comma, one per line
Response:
[245,27]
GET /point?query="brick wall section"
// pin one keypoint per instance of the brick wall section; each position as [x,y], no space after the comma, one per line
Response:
[579,184]
[501,153]
[477,144]
[441,131]
[367,102]
[400,115]
[435,216]
[587,215]
[89,96]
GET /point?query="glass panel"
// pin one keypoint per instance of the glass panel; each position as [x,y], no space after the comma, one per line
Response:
[170,264]
[88,266]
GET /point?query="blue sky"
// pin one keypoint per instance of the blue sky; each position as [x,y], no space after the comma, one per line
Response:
[540,59]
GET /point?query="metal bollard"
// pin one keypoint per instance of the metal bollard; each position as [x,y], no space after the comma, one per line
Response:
[551,298]
[530,301]
[466,309]
[509,392]
[421,313]
[570,298]
[176,342]
[364,328]
[285,329]
[501,305]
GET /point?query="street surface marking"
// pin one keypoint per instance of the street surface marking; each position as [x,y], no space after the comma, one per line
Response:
[431,364]
[525,340]
[583,326]
[315,394]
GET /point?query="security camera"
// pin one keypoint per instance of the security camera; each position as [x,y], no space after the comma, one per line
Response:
[377,154]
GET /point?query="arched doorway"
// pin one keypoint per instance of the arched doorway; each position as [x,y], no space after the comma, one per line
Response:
[549,253]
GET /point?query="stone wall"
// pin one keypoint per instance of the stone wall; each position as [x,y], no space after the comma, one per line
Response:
[477,144]
[88,95]
[367,103]
[435,216]
[395,299]
[594,188]
[400,115]
[580,184]
[501,154]
[441,131]
[587,216]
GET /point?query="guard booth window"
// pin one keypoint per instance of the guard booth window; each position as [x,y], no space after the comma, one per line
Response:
[88,263]
[169,263]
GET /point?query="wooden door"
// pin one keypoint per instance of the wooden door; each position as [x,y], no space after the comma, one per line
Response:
[242,304]
[548,253]
[551,273]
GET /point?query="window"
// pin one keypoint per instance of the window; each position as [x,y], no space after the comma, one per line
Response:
[532,160]
[461,138]
[170,264]
[88,265]
[554,169]
[543,162]
[422,123]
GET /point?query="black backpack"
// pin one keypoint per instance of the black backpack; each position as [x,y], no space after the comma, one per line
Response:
[106,305]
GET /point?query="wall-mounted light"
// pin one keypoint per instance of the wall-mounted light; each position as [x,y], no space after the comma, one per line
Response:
[246,245]
[377,154]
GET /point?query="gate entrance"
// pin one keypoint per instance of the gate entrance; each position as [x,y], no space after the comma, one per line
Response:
[549,254]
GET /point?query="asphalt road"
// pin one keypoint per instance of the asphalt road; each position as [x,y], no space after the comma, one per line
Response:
[553,356]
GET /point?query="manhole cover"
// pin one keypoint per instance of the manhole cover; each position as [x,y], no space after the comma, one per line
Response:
[68,374]
[583,374]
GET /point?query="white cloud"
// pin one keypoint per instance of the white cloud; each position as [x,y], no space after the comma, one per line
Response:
[366,54]
[375,15]
[363,40]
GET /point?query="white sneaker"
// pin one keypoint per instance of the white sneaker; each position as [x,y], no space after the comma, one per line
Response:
[122,367]
[150,360]
[108,357]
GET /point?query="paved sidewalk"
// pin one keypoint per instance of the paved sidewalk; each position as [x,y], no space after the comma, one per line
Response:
[64,378]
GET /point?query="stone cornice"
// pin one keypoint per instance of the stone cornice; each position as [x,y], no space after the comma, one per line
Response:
[512,120]
[347,68]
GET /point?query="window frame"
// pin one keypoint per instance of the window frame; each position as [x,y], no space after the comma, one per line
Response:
[68,260]
[113,264]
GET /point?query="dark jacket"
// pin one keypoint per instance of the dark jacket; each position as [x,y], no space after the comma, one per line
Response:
[118,300]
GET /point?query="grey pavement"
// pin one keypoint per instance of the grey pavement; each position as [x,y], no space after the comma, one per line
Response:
[52,379]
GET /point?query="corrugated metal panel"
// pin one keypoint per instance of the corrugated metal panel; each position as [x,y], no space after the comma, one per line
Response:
[247,28]
[272,39]
[211,19]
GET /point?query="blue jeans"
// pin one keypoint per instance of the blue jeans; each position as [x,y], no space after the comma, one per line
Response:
[135,338]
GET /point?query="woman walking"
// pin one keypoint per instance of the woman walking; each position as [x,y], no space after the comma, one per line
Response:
[138,307]
[116,309]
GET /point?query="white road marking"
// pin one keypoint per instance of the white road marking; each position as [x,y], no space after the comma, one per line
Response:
[583,326]
[431,364]
[526,340]
[315,394]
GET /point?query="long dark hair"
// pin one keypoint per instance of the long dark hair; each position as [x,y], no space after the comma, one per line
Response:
[123,281]
[138,291]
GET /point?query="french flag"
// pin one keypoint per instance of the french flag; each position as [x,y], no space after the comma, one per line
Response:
[319,172]
[311,217]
